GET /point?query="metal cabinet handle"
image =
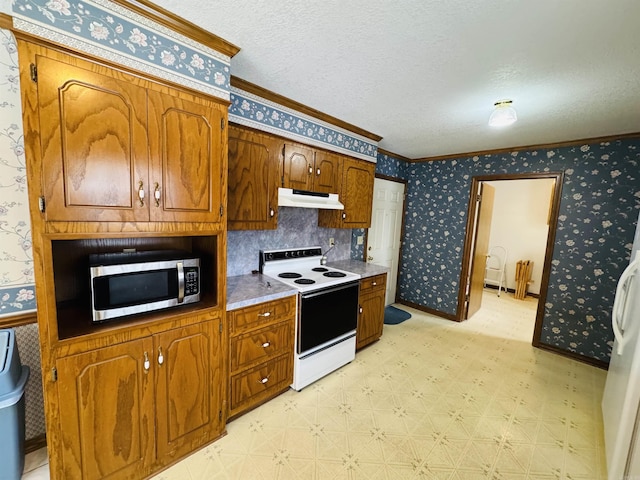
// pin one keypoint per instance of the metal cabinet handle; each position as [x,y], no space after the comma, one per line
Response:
[263,380]
[146,364]
[310,169]
[141,192]
[344,215]
[156,193]
[318,172]
[265,344]
[360,309]
[272,212]
[265,314]
[160,356]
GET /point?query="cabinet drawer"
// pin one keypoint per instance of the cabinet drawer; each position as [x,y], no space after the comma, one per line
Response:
[262,314]
[261,345]
[373,283]
[261,382]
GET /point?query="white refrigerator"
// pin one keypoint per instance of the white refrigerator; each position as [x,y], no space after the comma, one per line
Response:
[621,399]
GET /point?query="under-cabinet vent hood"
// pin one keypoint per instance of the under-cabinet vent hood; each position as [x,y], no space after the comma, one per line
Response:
[288,197]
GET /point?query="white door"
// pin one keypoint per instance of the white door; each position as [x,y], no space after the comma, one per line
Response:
[383,238]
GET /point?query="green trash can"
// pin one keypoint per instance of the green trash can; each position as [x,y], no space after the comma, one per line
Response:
[13,379]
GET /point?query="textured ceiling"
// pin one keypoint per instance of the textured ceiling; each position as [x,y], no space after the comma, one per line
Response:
[424,74]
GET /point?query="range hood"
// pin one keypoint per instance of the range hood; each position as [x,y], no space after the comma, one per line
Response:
[288,197]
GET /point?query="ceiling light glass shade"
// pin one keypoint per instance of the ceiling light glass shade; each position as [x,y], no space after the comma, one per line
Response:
[503,114]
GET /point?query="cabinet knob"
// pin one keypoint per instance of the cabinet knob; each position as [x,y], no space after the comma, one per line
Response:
[141,192]
[344,215]
[318,172]
[147,364]
[264,380]
[156,193]
[360,308]
[374,283]
[272,212]
[265,314]
[310,169]
[160,356]
[265,344]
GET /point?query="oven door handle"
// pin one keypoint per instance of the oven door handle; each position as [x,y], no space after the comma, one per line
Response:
[330,289]
[180,268]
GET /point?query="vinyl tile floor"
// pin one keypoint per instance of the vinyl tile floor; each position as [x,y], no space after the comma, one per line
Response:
[433,399]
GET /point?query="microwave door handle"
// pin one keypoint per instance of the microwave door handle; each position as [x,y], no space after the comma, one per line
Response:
[180,268]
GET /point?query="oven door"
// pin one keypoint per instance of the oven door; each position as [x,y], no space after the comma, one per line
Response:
[327,314]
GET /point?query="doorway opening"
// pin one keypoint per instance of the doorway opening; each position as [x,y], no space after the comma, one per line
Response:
[477,241]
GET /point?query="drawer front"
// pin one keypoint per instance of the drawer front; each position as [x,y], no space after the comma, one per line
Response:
[373,283]
[261,345]
[260,382]
[265,313]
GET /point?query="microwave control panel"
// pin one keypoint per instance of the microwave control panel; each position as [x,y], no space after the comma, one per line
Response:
[191,281]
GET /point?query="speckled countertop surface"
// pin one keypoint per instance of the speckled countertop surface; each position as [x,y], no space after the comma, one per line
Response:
[244,290]
[364,269]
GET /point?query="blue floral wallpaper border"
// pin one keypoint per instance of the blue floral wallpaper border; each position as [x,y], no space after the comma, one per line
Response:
[253,111]
[16,257]
[112,32]
[598,217]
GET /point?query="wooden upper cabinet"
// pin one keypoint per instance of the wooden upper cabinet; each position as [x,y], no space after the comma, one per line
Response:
[117,148]
[305,168]
[327,172]
[94,143]
[356,194]
[186,148]
[253,180]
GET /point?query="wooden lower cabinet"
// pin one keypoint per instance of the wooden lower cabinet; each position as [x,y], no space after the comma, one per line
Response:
[128,409]
[371,318]
[261,353]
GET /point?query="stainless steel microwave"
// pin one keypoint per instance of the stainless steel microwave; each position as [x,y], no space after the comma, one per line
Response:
[128,283]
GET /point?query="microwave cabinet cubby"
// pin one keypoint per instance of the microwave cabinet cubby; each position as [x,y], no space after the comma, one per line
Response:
[73,285]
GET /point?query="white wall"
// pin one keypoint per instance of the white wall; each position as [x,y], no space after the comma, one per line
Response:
[519,223]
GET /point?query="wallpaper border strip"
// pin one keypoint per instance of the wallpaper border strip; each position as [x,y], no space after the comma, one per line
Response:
[167,54]
[256,112]
[17,299]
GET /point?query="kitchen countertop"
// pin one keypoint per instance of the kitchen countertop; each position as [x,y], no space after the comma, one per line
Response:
[245,290]
[356,266]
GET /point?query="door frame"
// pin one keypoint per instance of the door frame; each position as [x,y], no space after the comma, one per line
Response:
[471,231]
[402,228]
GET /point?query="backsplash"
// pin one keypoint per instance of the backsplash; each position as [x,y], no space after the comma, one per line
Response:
[297,227]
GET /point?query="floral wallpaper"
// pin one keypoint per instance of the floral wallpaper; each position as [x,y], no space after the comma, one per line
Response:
[112,32]
[250,110]
[16,272]
[598,215]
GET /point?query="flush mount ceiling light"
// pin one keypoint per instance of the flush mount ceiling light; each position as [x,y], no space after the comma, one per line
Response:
[503,114]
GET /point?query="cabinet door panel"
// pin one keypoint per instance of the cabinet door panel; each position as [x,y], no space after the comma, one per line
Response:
[185,141]
[94,146]
[188,398]
[371,319]
[252,200]
[298,165]
[357,188]
[106,412]
[326,173]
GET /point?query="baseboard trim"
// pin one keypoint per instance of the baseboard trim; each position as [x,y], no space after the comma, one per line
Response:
[512,290]
[35,443]
[432,311]
[573,356]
